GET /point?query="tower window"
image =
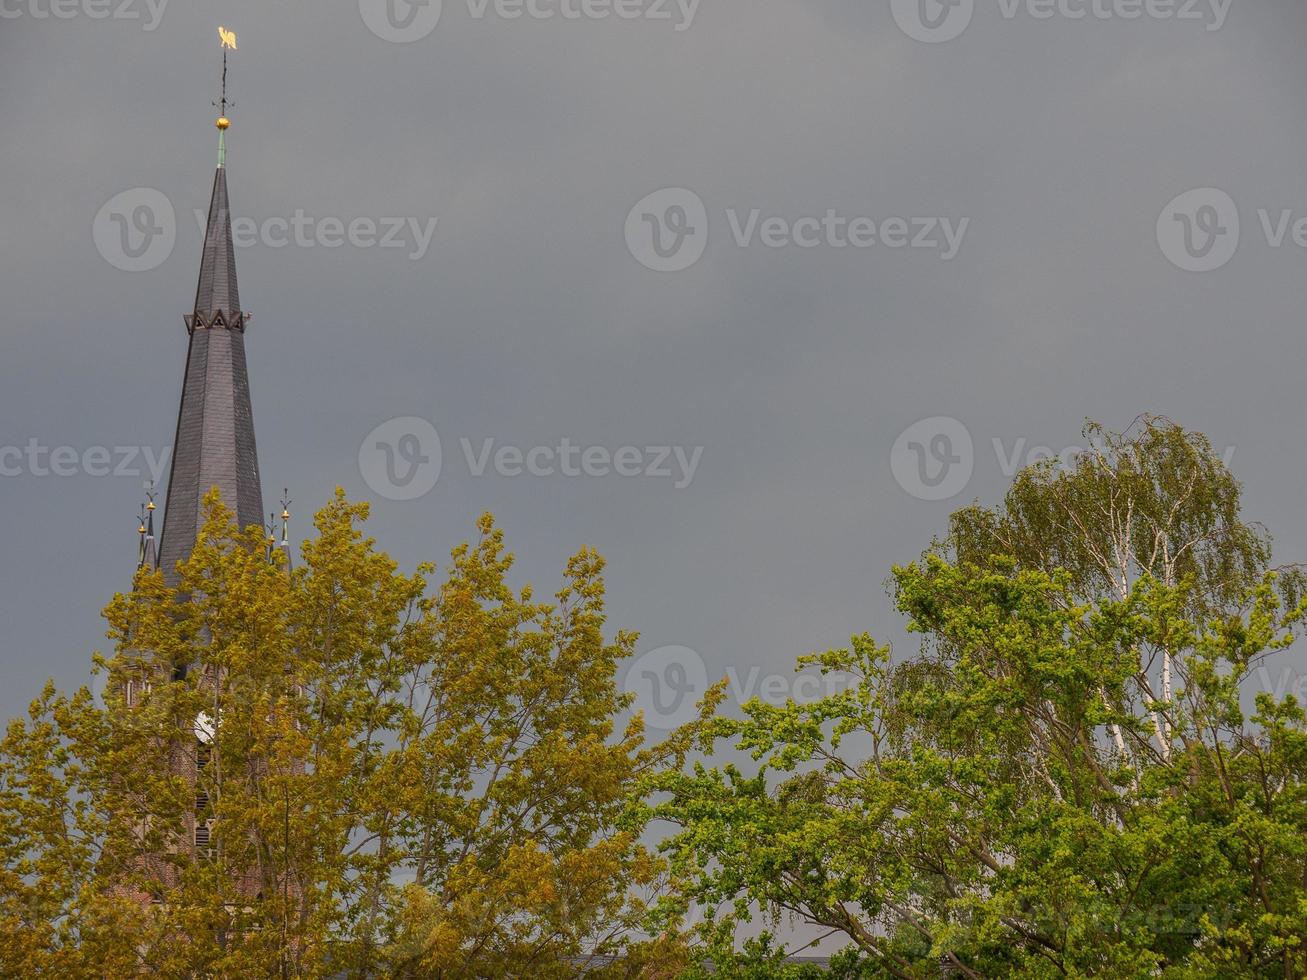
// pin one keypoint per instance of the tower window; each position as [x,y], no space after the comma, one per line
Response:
[204,838]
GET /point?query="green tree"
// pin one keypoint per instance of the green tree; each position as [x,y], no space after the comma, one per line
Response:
[1154,502]
[1068,780]
[395,780]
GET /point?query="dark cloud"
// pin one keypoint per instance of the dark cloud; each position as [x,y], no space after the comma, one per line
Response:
[528,321]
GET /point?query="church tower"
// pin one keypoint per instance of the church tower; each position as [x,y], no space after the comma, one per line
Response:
[214,447]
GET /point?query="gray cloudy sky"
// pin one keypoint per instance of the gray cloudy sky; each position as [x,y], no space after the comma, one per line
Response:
[807,362]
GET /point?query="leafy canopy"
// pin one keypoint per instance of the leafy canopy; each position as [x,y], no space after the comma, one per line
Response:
[1072,778]
[397,779]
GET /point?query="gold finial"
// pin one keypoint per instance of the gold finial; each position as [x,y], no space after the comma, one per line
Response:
[227,37]
[223,122]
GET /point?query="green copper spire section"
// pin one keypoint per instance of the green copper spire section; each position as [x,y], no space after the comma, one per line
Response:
[222,148]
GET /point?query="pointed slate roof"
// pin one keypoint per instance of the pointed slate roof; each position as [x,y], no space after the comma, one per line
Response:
[217,290]
[214,445]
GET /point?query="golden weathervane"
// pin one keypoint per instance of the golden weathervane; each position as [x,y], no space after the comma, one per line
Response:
[228,39]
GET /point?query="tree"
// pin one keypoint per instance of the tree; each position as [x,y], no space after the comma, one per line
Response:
[1154,502]
[394,780]
[1022,798]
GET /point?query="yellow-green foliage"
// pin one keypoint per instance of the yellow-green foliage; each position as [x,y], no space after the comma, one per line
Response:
[409,781]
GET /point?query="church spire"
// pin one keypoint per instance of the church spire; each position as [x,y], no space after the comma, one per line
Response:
[148,556]
[273,546]
[214,445]
[285,525]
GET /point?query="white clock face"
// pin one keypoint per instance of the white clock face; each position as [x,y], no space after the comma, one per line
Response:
[204,728]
